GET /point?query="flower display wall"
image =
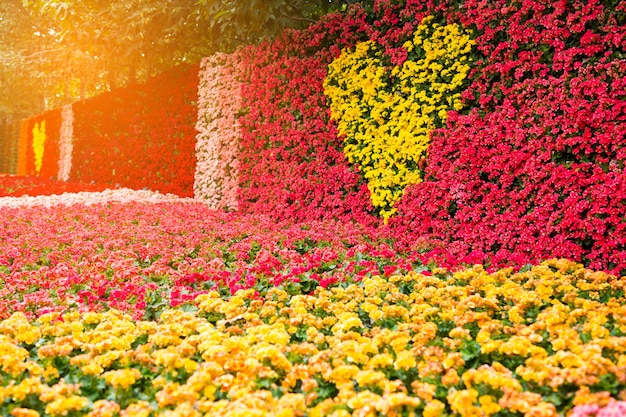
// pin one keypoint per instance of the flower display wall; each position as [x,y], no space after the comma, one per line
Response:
[292,159]
[528,165]
[140,136]
[216,178]
[531,167]
[66,139]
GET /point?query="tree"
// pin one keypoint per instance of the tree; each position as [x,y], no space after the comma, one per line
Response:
[22,50]
[56,51]
[240,22]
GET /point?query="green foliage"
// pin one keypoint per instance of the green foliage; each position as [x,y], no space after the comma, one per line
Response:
[55,52]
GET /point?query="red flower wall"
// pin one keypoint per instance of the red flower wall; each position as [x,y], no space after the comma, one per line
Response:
[140,136]
[50,163]
[536,169]
[533,169]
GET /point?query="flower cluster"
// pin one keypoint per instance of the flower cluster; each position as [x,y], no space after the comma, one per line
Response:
[66,138]
[385,115]
[89,198]
[217,142]
[437,343]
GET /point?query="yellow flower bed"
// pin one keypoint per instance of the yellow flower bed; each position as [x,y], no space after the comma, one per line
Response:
[386,115]
[469,343]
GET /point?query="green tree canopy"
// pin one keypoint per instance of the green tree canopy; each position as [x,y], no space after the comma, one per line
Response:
[53,52]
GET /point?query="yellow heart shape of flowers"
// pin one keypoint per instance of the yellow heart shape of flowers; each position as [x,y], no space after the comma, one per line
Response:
[39,142]
[386,114]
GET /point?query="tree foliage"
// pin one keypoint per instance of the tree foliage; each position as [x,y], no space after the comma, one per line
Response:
[54,52]
[236,22]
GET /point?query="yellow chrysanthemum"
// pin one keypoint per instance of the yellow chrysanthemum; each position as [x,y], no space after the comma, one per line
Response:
[386,117]
[122,378]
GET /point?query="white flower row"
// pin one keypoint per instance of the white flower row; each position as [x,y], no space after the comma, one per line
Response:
[121,195]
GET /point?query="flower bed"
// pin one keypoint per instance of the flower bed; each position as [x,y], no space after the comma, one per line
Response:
[436,343]
[112,250]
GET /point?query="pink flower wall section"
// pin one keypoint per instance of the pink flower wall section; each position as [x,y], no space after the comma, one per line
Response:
[217,143]
[66,139]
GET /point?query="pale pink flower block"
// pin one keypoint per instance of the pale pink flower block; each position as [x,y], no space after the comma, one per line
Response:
[219,100]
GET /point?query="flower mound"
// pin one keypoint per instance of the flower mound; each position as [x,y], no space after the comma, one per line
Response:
[468,343]
[141,252]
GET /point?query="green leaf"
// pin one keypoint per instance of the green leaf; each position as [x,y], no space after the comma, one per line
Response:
[470,349]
